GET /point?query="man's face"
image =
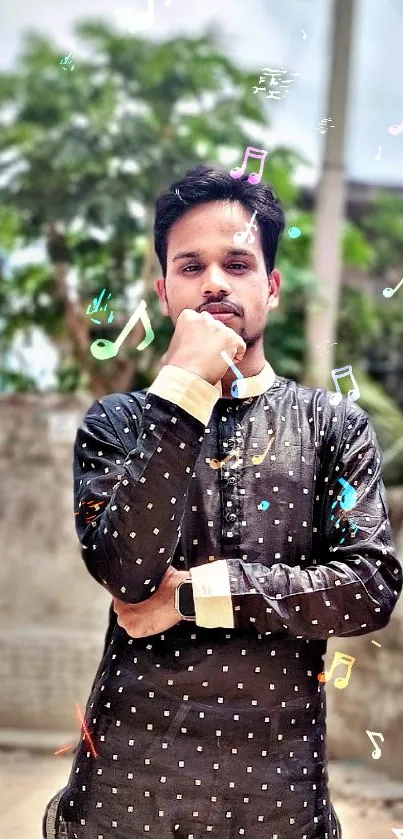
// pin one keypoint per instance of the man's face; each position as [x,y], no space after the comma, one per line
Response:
[205,269]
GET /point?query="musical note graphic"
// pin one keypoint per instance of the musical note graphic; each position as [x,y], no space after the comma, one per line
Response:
[85,729]
[348,497]
[398,831]
[102,348]
[264,505]
[352,525]
[340,373]
[294,232]
[376,643]
[241,236]
[257,459]
[378,157]
[304,34]
[237,373]
[218,464]
[338,658]
[254,178]
[97,303]
[389,292]
[377,751]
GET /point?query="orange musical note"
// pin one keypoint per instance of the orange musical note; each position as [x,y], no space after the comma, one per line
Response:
[338,658]
[218,464]
[257,459]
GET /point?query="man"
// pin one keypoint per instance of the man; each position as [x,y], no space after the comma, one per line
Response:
[218,536]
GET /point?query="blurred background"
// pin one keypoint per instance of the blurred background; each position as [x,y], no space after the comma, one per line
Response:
[102,106]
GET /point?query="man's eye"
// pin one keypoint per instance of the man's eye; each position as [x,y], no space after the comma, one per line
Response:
[237,265]
[191,267]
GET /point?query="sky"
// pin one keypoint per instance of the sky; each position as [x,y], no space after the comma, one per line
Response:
[293,34]
[269,33]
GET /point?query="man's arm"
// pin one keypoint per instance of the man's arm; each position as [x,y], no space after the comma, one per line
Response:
[130,504]
[353,590]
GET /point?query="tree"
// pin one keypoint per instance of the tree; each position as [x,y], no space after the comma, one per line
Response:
[83,155]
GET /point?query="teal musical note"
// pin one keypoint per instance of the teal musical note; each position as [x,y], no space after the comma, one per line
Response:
[348,497]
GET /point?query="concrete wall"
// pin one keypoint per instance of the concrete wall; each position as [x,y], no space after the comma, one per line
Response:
[53,616]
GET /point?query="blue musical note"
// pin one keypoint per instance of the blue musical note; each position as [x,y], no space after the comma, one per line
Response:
[235,392]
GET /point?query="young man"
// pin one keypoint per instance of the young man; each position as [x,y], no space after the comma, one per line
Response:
[218,534]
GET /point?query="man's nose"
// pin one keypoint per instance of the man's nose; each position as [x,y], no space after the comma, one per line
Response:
[215,282]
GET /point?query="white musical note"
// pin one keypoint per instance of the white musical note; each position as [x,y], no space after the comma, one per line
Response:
[234,387]
[378,157]
[102,348]
[389,292]
[241,236]
[340,373]
[398,831]
[377,751]
[254,178]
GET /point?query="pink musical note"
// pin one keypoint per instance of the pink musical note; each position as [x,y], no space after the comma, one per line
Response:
[254,178]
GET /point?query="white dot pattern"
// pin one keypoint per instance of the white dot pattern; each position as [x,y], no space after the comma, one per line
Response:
[221,731]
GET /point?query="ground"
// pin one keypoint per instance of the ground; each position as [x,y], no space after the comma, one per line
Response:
[368,804]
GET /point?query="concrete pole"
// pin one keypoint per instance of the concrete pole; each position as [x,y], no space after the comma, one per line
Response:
[330,203]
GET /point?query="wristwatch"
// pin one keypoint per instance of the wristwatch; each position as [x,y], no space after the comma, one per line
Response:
[184,602]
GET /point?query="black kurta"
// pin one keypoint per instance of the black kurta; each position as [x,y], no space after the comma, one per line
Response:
[204,731]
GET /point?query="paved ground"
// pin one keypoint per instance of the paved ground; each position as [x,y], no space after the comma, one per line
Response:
[368,804]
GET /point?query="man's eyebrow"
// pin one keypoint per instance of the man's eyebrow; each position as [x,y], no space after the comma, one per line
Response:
[195,254]
[186,255]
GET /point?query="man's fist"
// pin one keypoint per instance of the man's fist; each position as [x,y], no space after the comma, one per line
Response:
[157,614]
[197,343]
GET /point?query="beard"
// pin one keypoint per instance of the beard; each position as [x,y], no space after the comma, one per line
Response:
[250,340]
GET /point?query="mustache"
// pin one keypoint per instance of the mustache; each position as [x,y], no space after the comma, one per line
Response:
[238,310]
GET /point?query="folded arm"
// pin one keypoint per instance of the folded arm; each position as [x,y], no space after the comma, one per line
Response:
[351,591]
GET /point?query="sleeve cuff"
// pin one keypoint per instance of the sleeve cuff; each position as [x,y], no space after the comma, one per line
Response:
[186,390]
[212,595]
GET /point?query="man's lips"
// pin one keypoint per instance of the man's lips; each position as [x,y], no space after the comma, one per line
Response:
[221,311]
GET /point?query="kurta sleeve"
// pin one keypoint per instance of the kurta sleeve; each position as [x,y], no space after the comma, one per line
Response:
[130,500]
[353,588]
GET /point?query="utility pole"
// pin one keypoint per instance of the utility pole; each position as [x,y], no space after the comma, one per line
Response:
[327,257]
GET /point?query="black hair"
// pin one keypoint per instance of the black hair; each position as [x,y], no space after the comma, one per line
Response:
[205,183]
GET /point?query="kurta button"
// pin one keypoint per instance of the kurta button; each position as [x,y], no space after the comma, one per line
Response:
[230,443]
[231,517]
[231,480]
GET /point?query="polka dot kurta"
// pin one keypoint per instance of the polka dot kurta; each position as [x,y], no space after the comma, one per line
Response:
[216,728]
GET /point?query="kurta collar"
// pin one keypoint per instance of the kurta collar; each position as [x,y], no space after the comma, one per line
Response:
[253,385]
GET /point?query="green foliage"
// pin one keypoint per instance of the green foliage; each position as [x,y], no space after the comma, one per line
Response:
[284,339]
[384,226]
[88,151]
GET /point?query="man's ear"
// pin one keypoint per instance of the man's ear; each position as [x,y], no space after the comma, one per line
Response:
[160,289]
[275,281]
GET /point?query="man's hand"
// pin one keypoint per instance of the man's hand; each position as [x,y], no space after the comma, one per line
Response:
[156,614]
[197,343]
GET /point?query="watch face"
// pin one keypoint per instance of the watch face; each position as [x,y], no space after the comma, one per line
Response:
[186,602]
